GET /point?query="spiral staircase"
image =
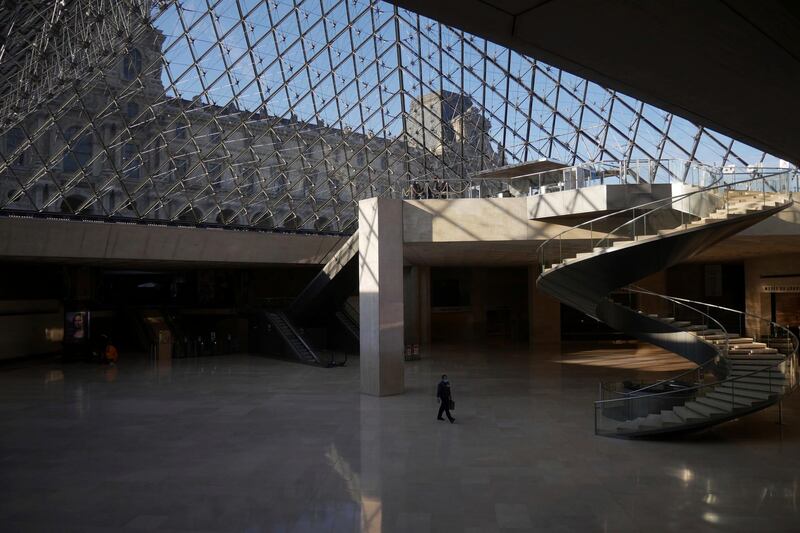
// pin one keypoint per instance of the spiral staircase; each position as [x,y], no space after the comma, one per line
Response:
[736,373]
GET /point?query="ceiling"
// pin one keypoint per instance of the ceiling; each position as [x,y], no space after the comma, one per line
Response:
[730,65]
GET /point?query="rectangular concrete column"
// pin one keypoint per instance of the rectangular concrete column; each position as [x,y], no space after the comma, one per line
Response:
[544,313]
[756,302]
[411,304]
[417,305]
[380,285]
[424,306]
[653,304]
[478,286]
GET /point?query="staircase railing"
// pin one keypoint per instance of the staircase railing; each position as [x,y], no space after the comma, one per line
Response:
[776,331]
[610,412]
[552,251]
[636,171]
[695,316]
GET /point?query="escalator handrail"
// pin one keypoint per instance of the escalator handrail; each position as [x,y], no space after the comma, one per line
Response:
[285,319]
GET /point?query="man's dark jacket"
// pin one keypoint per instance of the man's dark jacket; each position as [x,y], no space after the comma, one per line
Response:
[443,391]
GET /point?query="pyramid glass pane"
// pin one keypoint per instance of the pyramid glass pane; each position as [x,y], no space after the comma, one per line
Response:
[281,115]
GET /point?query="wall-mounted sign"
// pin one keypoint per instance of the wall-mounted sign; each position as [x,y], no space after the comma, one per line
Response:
[781,284]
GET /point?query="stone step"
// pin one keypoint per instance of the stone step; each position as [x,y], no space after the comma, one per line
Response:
[695,327]
[623,244]
[744,349]
[652,421]
[767,381]
[681,323]
[601,249]
[780,344]
[739,340]
[785,348]
[705,410]
[630,424]
[762,357]
[688,415]
[725,397]
[740,392]
[761,351]
[769,373]
[669,418]
[777,366]
[739,385]
[751,346]
[756,204]
[706,332]
[716,404]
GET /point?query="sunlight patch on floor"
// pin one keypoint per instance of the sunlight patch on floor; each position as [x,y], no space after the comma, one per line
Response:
[644,358]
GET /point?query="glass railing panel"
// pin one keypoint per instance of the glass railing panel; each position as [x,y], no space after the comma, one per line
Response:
[618,412]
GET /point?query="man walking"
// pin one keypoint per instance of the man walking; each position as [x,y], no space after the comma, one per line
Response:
[445,399]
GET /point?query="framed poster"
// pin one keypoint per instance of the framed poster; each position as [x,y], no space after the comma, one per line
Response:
[76,327]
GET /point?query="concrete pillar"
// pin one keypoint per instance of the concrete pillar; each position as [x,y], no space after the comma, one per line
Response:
[544,313]
[380,283]
[756,302]
[411,309]
[478,283]
[417,305]
[425,306]
[653,304]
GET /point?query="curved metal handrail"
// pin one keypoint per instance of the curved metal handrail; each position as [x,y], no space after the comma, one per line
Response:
[665,201]
[789,333]
[437,187]
[699,387]
[681,198]
[790,358]
[722,352]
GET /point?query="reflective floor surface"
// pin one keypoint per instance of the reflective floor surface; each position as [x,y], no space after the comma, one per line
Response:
[250,444]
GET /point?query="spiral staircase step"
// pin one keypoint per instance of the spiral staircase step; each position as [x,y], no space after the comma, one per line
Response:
[729,398]
[688,415]
[742,392]
[716,404]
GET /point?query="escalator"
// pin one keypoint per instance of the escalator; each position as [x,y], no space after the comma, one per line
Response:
[297,346]
[347,317]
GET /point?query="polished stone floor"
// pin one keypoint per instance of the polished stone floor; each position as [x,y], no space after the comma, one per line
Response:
[250,444]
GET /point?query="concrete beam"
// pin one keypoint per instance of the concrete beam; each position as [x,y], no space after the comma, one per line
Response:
[68,240]
[595,199]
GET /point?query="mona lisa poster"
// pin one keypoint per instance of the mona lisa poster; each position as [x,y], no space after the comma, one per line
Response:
[76,326]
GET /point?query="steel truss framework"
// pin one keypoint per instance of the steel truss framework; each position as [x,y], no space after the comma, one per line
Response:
[283,114]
